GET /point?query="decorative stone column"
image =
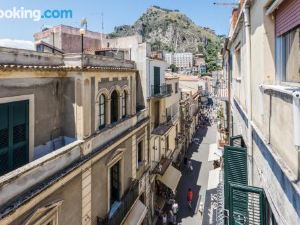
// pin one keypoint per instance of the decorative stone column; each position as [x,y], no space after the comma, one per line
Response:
[86,196]
[133,95]
[120,105]
[86,108]
[107,111]
[128,105]
[133,155]
[79,109]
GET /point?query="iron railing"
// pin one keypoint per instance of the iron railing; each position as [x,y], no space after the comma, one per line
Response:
[127,202]
[163,90]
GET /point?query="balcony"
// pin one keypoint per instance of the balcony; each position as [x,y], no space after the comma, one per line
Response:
[161,91]
[162,166]
[126,204]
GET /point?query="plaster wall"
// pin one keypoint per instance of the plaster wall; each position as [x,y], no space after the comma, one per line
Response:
[100,179]
[70,211]
[53,104]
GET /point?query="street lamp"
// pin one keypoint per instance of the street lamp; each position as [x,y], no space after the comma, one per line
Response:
[83,25]
[82,33]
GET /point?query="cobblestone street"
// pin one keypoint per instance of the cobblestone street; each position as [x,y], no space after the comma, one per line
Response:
[197,179]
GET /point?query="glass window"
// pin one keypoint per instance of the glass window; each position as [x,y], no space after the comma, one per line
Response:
[288,56]
[114,107]
[176,87]
[167,144]
[115,183]
[140,154]
[102,111]
[124,103]
[238,63]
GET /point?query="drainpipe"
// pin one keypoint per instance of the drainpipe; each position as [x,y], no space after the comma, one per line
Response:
[228,90]
[249,91]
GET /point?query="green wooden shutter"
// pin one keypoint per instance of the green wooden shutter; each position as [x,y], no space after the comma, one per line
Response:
[14,135]
[4,139]
[247,205]
[237,141]
[156,80]
[20,134]
[235,169]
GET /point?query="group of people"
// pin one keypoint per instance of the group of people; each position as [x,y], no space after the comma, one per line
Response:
[170,218]
[188,164]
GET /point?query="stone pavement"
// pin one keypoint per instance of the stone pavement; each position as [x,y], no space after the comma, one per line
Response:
[197,179]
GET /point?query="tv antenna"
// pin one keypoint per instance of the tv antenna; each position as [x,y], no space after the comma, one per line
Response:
[102,28]
[226,4]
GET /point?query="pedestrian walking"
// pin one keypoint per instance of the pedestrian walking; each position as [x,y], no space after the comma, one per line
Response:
[164,219]
[190,198]
[175,208]
[189,165]
[170,218]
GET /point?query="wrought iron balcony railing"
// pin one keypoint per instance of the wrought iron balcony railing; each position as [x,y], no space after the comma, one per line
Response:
[161,91]
[126,204]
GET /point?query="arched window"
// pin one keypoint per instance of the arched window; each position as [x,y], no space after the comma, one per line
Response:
[102,111]
[124,104]
[114,106]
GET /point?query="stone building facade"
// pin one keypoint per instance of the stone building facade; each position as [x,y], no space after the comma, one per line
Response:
[97,135]
[71,136]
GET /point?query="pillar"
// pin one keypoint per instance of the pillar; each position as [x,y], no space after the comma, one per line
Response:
[107,110]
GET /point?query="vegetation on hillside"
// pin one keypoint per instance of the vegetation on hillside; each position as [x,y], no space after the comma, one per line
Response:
[172,31]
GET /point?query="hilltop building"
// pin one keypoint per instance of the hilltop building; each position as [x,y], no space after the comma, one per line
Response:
[183,61]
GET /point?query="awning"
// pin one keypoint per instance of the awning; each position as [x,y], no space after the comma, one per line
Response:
[137,214]
[214,152]
[171,178]
[213,179]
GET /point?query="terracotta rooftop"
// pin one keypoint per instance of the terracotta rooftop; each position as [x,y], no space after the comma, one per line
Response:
[189,78]
[170,76]
[104,49]
[64,68]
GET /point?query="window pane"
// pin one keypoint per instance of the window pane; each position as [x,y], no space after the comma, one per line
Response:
[291,56]
[101,120]
[102,109]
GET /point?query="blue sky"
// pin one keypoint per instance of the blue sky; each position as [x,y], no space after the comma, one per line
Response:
[116,12]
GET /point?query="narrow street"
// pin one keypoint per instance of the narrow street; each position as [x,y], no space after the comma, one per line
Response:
[197,179]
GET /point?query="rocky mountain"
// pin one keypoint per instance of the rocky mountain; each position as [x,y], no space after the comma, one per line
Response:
[169,30]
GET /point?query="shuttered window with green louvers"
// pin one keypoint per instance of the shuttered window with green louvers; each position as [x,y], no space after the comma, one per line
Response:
[14,135]
[237,141]
[235,169]
[247,205]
